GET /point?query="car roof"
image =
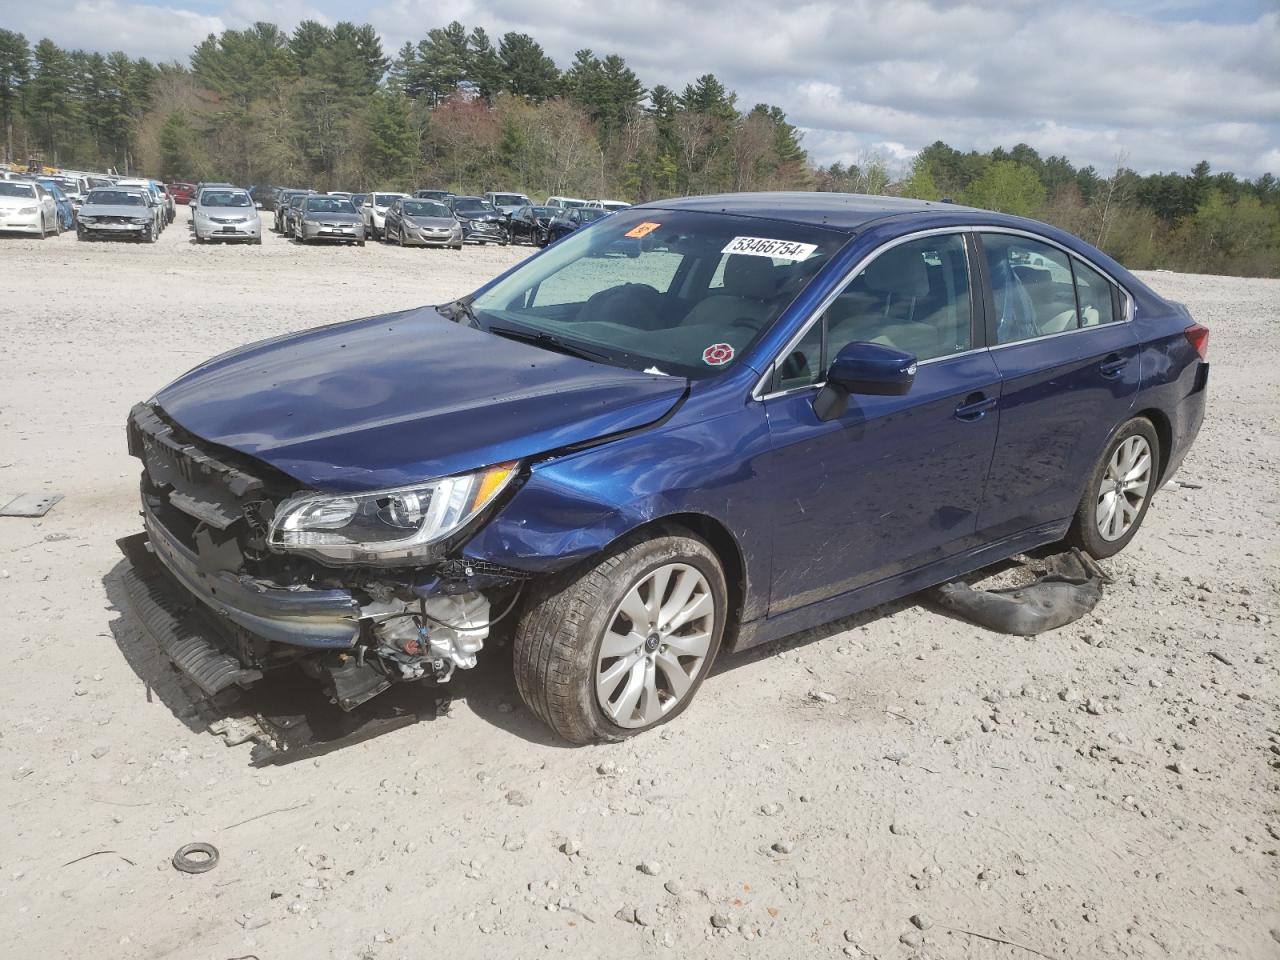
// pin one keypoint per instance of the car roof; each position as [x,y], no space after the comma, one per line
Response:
[841,211]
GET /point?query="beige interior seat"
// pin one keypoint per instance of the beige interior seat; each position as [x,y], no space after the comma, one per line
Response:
[749,288]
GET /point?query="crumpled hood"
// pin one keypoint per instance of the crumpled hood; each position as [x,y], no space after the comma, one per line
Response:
[114,210]
[393,400]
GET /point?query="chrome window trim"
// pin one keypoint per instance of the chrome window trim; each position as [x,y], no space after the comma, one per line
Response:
[1128,297]
[1129,302]
[830,298]
[919,363]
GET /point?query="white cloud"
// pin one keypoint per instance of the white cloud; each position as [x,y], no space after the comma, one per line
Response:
[1169,83]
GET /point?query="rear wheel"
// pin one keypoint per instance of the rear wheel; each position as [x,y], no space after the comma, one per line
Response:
[622,647]
[1119,491]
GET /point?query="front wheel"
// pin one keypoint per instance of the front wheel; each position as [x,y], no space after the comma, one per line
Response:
[622,647]
[1119,491]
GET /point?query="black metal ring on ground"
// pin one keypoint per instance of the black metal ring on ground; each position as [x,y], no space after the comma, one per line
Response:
[184,861]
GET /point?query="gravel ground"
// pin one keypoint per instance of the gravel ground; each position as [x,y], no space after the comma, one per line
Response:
[1109,789]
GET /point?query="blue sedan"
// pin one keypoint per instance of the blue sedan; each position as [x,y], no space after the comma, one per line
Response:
[66,216]
[690,428]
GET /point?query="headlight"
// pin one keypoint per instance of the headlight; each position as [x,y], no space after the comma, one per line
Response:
[84,219]
[28,210]
[141,220]
[389,526]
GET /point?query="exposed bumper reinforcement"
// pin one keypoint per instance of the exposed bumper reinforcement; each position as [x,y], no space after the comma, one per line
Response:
[324,619]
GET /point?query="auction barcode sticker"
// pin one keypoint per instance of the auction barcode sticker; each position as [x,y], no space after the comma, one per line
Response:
[764,247]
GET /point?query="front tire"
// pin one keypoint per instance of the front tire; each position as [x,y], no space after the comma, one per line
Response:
[1119,491]
[614,650]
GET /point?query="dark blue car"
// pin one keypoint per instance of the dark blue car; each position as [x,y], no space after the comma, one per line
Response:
[695,425]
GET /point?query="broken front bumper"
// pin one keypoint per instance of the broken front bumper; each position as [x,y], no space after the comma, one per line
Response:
[325,619]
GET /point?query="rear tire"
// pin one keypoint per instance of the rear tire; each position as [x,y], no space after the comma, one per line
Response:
[558,655]
[1119,491]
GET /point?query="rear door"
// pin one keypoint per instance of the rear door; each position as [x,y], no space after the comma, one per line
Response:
[1068,359]
[895,482]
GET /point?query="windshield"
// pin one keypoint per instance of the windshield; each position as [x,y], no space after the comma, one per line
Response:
[330,205]
[509,199]
[296,199]
[426,208]
[384,199]
[684,292]
[587,214]
[116,198]
[471,203]
[210,199]
[9,189]
[546,211]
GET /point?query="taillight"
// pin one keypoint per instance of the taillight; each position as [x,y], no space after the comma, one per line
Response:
[1198,336]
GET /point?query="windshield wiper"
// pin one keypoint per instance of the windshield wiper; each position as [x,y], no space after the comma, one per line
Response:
[549,342]
[458,309]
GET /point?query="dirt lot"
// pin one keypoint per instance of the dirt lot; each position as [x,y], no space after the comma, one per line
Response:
[1110,789]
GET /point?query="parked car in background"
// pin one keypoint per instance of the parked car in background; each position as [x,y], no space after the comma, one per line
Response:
[119,212]
[344,194]
[322,217]
[27,207]
[412,222]
[374,211]
[182,191]
[565,202]
[609,206]
[481,222]
[570,219]
[283,199]
[170,205]
[226,215]
[507,203]
[529,224]
[66,216]
[787,409]
[156,199]
[442,195]
[289,213]
[357,200]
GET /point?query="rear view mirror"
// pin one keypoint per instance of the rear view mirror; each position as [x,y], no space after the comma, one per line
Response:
[869,369]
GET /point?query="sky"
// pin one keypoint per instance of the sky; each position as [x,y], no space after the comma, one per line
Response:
[1162,84]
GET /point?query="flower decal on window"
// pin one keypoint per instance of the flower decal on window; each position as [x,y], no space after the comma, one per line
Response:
[717,355]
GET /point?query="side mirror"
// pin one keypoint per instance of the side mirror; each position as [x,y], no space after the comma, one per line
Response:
[869,369]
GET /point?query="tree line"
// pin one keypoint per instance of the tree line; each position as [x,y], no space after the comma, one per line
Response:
[327,107]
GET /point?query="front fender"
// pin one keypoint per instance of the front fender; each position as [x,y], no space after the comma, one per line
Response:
[573,507]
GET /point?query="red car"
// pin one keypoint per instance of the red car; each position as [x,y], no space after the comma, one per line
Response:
[181,191]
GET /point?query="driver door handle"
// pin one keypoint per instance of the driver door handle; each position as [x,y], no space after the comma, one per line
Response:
[974,407]
[1112,365]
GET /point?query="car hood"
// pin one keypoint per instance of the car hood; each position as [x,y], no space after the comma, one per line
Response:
[437,222]
[392,400]
[324,217]
[113,210]
[481,215]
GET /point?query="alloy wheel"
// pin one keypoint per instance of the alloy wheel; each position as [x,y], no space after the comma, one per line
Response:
[655,644]
[1124,488]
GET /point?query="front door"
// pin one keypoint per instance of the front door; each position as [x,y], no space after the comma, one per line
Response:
[895,482]
[1069,364]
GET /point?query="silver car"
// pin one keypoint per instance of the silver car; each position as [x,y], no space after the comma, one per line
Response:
[226,215]
[422,223]
[374,211]
[127,212]
[328,218]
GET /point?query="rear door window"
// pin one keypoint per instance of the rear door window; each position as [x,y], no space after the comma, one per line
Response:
[1094,293]
[1031,286]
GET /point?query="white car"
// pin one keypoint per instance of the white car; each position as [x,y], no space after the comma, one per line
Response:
[508,203]
[27,207]
[374,212]
[225,214]
[609,206]
[564,203]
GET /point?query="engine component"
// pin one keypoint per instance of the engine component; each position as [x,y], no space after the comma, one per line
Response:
[433,637]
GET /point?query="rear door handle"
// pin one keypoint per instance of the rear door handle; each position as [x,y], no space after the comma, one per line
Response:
[1112,365]
[974,407]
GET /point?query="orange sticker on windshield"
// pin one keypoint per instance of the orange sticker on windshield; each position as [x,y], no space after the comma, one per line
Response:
[642,230]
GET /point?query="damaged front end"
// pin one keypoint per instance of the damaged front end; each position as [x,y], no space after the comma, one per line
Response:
[359,590]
